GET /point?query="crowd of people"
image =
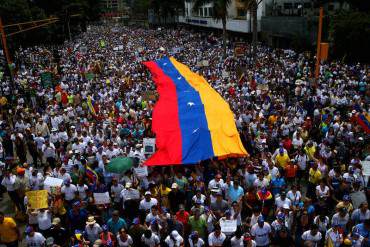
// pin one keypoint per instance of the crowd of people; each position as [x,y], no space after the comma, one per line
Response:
[302,184]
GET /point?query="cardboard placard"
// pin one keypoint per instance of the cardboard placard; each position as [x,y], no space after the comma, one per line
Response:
[51,184]
[365,167]
[101,198]
[228,225]
[225,74]
[37,199]
[141,171]
[149,145]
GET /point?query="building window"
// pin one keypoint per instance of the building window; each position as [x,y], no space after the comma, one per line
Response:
[206,12]
[200,11]
[241,12]
[288,5]
[210,11]
[307,5]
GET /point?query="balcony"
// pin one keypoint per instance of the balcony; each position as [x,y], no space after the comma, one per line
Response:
[235,25]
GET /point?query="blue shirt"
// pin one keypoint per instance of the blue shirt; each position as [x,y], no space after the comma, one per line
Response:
[114,227]
[361,229]
[235,194]
[277,185]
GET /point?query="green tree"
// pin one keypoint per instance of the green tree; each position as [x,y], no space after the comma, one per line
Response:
[166,8]
[350,36]
[219,13]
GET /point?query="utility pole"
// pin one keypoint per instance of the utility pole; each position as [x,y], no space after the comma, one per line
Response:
[318,51]
[5,46]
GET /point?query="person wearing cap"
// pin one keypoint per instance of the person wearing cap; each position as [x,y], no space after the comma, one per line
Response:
[261,232]
[282,159]
[34,238]
[313,236]
[174,240]
[334,237]
[148,201]
[107,238]
[345,203]
[92,229]
[130,200]
[116,223]
[265,198]
[175,197]
[219,204]
[278,223]
[77,216]
[58,233]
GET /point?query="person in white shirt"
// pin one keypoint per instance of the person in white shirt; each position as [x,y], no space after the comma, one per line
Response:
[123,239]
[81,189]
[313,236]
[150,239]
[195,241]
[174,239]
[116,190]
[44,219]
[334,237]
[34,239]
[68,190]
[10,183]
[49,152]
[261,232]
[216,238]
[282,200]
[216,182]
[147,203]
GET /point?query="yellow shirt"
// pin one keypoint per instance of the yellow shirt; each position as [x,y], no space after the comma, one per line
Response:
[314,176]
[8,230]
[310,151]
[282,160]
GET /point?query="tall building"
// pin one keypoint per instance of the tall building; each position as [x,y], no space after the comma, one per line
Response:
[239,20]
[280,22]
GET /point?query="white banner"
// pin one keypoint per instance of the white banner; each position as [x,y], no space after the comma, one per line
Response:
[228,225]
[101,198]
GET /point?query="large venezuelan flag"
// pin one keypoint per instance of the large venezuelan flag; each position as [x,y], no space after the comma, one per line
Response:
[192,122]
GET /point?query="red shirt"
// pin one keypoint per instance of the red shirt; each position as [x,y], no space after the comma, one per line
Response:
[182,217]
